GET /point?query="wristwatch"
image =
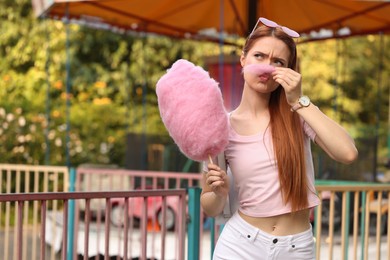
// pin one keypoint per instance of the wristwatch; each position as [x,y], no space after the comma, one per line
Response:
[303,101]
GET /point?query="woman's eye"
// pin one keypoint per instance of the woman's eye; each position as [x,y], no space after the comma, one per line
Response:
[279,63]
[259,55]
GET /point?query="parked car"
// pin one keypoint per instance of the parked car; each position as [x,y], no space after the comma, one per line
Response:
[154,210]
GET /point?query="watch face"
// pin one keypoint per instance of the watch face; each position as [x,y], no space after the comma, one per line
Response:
[304,101]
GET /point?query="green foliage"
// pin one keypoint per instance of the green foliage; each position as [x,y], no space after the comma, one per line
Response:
[345,80]
[348,80]
[111,84]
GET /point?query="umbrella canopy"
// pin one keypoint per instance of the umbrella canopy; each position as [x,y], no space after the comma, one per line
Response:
[205,19]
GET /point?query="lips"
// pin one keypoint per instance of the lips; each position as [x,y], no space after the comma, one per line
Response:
[264,77]
[263,71]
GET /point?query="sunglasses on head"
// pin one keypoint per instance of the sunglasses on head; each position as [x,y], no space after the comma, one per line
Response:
[272,24]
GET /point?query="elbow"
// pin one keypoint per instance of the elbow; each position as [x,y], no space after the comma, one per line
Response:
[350,156]
[209,210]
[210,207]
[210,213]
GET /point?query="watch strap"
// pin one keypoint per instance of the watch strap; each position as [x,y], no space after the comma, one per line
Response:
[296,107]
[303,101]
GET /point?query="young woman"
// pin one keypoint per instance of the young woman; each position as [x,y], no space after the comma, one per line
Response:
[270,157]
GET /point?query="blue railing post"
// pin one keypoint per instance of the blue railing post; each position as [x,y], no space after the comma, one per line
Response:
[363,223]
[347,224]
[194,223]
[212,237]
[71,216]
[214,227]
[315,221]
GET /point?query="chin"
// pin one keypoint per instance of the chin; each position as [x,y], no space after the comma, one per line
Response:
[264,88]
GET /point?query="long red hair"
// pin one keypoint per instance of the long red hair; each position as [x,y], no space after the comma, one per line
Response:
[286,130]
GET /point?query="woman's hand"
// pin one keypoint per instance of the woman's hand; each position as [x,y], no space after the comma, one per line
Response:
[290,80]
[215,189]
[217,180]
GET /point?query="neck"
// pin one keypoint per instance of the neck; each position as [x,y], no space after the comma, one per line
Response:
[253,103]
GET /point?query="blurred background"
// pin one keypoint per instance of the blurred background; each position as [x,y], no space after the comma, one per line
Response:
[77,90]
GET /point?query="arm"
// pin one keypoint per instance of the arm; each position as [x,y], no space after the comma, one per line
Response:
[330,136]
[215,188]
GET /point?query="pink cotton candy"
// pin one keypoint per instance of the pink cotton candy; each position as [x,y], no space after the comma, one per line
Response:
[258,69]
[191,107]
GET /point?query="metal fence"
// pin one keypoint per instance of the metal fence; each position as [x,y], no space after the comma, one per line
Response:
[111,179]
[125,243]
[27,179]
[351,223]
[354,216]
[90,180]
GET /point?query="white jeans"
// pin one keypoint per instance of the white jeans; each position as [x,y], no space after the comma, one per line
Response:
[240,240]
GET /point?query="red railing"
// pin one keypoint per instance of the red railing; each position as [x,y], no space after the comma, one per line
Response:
[108,179]
[16,178]
[43,198]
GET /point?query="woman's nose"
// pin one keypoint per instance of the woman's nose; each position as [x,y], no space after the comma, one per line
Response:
[266,61]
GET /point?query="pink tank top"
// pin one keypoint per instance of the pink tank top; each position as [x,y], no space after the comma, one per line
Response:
[253,164]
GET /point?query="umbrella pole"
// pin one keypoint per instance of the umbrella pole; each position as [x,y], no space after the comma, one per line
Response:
[252,15]
[377,123]
[70,246]
[47,71]
[221,43]
[144,151]
[378,104]
[335,85]
[67,80]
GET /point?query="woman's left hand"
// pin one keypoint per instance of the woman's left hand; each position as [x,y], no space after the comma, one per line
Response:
[290,80]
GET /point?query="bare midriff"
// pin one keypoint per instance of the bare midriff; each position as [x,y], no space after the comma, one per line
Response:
[281,225]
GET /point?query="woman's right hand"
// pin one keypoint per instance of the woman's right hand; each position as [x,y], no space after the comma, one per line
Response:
[217,180]
[215,189]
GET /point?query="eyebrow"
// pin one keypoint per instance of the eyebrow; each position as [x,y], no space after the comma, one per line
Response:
[274,58]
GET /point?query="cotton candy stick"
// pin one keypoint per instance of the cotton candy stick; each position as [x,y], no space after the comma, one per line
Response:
[192,110]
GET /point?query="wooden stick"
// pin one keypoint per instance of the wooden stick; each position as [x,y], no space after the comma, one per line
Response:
[211,159]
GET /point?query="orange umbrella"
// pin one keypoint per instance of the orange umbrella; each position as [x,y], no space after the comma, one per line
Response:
[202,19]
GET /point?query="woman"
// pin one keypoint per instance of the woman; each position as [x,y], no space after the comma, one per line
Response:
[270,158]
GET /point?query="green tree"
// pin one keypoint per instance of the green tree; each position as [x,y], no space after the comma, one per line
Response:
[342,78]
[112,87]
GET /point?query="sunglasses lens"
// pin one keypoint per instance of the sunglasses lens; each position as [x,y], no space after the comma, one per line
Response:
[272,24]
[268,23]
[290,32]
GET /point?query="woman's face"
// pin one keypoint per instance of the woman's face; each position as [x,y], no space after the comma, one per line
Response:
[266,50]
